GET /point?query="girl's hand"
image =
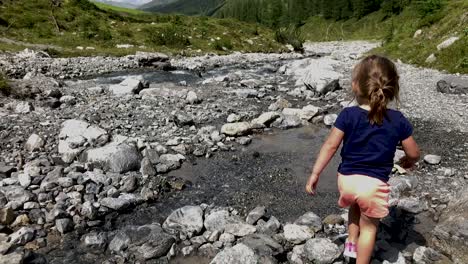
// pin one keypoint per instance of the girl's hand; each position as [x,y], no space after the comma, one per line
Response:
[311,185]
[407,163]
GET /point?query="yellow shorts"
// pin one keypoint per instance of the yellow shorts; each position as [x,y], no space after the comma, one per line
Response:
[370,194]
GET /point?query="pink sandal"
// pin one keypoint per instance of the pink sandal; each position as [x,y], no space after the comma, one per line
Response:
[350,250]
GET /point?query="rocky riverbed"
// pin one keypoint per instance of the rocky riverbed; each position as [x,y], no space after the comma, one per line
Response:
[151,159]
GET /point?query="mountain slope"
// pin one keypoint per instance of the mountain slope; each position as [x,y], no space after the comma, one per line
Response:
[186,7]
[79,27]
[118,4]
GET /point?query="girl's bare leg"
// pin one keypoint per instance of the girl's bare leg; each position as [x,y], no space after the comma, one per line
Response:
[354,216]
[368,231]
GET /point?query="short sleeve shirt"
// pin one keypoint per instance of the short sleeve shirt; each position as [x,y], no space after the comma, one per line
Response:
[369,149]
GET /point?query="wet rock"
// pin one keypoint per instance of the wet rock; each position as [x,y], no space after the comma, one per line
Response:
[265,119]
[306,113]
[432,159]
[186,221]
[64,225]
[24,108]
[330,119]
[263,245]
[34,142]
[310,220]
[288,121]
[447,43]
[97,241]
[236,129]
[155,249]
[297,234]
[240,229]
[321,251]
[255,215]
[22,236]
[131,85]
[119,158]
[7,216]
[239,254]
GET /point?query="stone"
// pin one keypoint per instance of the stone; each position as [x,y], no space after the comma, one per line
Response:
[12,258]
[398,258]
[192,98]
[425,255]
[232,118]
[150,59]
[255,215]
[119,158]
[64,225]
[24,179]
[412,205]
[22,236]
[119,243]
[24,108]
[34,142]
[333,220]
[88,210]
[273,225]
[7,216]
[330,119]
[239,254]
[263,245]
[117,204]
[227,238]
[186,221]
[96,241]
[6,170]
[289,121]
[131,85]
[310,220]
[265,119]
[236,129]
[331,87]
[321,251]
[209,250]
[297,256]
[240,229]
[431,58]
[16,196]
[280,104]
[246,93]
[68,100]
[417,33]
[447,43]
[130,183]
[451,88]
[297,234]
[432,159]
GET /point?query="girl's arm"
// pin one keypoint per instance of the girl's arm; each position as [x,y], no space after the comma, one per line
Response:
[411,151]
[327,151]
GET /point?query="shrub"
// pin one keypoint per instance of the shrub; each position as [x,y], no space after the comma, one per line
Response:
[291,35]
[170,36]
[223,44]
[428,7]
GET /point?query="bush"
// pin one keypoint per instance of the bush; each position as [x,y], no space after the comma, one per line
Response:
[4,87]
[291,35]
[170,36]
[428,7]
[223,44]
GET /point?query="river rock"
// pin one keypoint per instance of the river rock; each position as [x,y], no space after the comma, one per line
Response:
[321,251]
[34,142]
[240,229]
[263,245]
[288,121]
[186,221]
[451,88]
[192,98]
[255,215]
[310,220]
[239,254]
[16,196]
[12,258]
[131,85]
[412,205]
[265,119]
[447,43]
[217,220]
[68,100]
[24,179]
[24,108]
[95,240]
[330,119]
[149,241]
[120,203]
[119,158]
[297,234]
[150,59]
[450,236]
[64,225]
[22,236]
[7,216]
[432,159]
[425,255]
[120,242]
[147,167]
[236,129]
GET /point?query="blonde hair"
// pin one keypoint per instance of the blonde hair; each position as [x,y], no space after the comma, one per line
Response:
[378,82]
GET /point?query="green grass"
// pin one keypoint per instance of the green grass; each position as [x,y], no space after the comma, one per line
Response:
[396,33]
[118,9]
[81,23]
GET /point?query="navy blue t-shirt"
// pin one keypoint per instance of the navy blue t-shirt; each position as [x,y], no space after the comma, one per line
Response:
[369,149]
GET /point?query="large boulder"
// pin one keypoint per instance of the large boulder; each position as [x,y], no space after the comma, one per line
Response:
[450,236]
[239,254]
[236,129]
[73,136]
[119,158]
[217,220]
[187,221]
[131,85]
[321,251]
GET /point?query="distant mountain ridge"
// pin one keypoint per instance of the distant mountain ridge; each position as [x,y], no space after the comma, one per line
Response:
[123,3]
[185,7]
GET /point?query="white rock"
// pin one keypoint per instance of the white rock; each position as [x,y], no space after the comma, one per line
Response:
[232,118]
[217,220]
[24,108]
[240,229]
[192,98]
[432,159]
[297,234]
[425,255]
[239,254]
[417,33]
[236,129]
[113,157]
[35,142]
[265,119]
[321,251]
[24,179]
[187,221]
[330,119]
[447,43]
[431,59]
[131,85]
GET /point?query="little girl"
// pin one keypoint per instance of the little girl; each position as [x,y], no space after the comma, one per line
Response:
[370,133]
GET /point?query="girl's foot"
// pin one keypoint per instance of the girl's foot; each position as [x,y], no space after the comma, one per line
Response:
[350,250]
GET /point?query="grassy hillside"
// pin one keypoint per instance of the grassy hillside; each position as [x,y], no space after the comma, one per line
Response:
[118,9]
[100,28]
[397,34]
[186,7]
